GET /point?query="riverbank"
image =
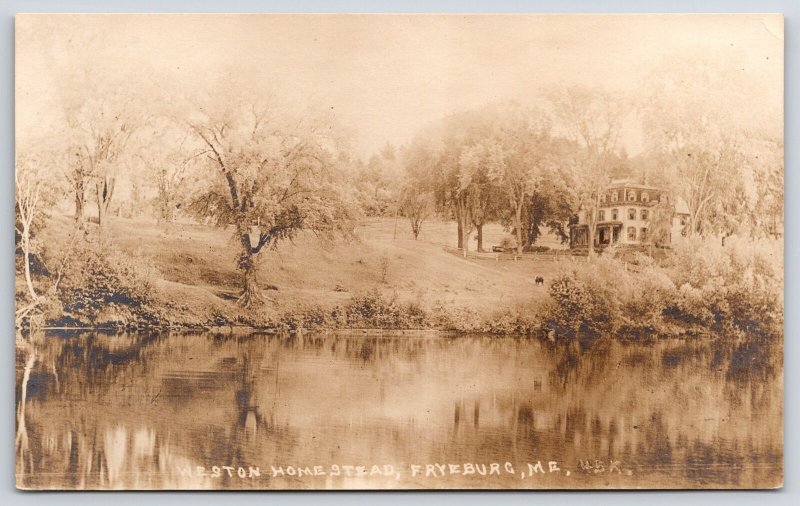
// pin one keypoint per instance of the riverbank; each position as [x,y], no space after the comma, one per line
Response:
[382,278]
[138,275]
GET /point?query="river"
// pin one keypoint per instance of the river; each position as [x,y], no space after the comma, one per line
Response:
[205,410]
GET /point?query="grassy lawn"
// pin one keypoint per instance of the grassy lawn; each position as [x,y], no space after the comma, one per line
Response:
[194,268]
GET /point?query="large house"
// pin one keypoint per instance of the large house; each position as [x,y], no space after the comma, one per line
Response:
[624,213]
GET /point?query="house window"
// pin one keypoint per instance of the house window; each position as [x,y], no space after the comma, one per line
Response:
[684,220]
[614,196]
[631,233]
[601,215]
[645,197]
[663,198]
[644,214]
[631,214]
[614,214]
[632,196]
[603,198]
[643,234]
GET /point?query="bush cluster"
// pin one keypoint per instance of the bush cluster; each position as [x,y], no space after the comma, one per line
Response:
[700,286]
[733,288]
[100,278]
[372,309]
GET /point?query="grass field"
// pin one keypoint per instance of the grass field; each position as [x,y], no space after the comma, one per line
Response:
[195,277]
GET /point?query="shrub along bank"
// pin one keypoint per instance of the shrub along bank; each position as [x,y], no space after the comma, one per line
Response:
[700,287]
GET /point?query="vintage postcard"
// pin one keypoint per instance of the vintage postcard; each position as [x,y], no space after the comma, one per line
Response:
[399,251]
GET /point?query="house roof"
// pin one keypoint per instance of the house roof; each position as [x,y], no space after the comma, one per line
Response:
[629,184]
[681,207]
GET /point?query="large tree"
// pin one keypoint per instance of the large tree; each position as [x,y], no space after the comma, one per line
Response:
[721,158]
[275,178]
[548,206]
[433,160]
[521,137]
[100,130]
[591,118]
[482,165]
[379,182]
[477,164]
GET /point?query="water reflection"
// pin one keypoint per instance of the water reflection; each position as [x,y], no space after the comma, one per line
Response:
[145,410]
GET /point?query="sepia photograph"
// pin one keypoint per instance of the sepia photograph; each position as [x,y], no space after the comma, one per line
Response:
[399,251]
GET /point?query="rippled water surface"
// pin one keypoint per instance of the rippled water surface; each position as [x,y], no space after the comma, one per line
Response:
[198,410]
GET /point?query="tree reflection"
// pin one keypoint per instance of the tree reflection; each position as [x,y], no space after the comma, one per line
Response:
[104,411]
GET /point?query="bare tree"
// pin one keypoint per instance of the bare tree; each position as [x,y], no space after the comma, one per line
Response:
[28,206]
[102,130]
[78,178]
[167,168]
[33,197]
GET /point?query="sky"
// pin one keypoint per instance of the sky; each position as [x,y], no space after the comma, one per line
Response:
[385,77]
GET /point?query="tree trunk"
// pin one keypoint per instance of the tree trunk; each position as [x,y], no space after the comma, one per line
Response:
[105,190]
[79,198]
[251,293]
[166,214]
[396,214]
[590,234]
[100,213]
[26,256]
[460,229]
[416,226]
[518,226]
[480,237]
[465,234]
[462,213]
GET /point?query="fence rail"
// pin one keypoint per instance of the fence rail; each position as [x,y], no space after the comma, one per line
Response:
[552,256]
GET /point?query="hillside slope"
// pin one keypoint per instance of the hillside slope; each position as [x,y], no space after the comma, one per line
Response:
[193,267]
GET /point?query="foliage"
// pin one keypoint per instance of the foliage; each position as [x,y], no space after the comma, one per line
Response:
[101,279]
[583,302]
[725,162]
[371,309]
[592,119]
[377,182]
[416,205]
[271,178]
[101,128]
[463,319]
[491,164]
[735,290]
[170,168]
